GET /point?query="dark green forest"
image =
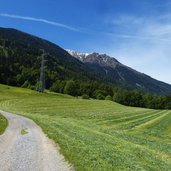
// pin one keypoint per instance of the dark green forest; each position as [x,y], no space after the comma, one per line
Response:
[108,92]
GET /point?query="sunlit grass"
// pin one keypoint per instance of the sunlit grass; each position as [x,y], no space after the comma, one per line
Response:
[3,124]
[24,131]
[97,135]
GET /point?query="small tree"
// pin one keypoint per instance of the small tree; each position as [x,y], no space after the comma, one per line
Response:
[100,96]
[85,96]
[58,86]
[108,98]
[71,88]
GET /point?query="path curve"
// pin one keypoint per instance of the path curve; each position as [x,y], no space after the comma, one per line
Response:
[32,151]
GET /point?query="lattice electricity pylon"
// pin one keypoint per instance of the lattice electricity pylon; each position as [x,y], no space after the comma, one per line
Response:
[42,82]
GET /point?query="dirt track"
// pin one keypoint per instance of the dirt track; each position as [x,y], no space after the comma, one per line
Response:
[28,150]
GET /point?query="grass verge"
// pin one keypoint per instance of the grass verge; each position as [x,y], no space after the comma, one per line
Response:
[3,124]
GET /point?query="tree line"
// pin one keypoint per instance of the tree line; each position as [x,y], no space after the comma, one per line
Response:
[102,91]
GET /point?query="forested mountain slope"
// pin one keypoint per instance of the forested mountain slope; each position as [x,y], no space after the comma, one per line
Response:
[20,65]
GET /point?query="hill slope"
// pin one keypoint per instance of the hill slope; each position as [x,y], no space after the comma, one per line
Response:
[20,60]
[97,135]
[124,75]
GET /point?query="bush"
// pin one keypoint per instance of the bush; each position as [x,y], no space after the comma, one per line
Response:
[108,98]
[26,84]
[71,88]
[32,87]
[85,96]
[58,86]
[100,96]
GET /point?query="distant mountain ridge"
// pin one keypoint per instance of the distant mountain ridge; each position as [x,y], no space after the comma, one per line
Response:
[121,73]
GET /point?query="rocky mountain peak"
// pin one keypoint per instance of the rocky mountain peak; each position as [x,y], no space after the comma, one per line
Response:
[79,55]
[96,58]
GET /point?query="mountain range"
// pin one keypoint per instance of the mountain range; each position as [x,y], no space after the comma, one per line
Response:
[20,62]
[120,73]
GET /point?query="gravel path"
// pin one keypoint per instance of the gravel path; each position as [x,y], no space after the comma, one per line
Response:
[28,150]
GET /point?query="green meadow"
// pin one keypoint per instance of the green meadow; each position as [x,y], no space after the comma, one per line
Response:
[3,124]
[97,135]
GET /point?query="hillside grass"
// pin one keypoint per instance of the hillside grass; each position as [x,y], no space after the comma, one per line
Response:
[97,135]
[3,124]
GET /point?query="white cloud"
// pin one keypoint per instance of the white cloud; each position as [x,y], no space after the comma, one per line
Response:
[39,20]
[133,27]
[146,44]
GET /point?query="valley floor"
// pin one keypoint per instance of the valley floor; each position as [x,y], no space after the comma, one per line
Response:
[97,135]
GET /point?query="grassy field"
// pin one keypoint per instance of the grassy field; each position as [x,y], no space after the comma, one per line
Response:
[97,135]
[3,124]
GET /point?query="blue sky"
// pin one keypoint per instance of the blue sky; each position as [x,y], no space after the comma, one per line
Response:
[136,32]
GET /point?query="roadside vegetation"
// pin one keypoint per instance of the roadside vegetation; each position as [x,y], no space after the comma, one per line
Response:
[3,124]
[97,134]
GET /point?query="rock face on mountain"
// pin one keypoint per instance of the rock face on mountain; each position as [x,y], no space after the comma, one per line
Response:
[122,74]
[78,55]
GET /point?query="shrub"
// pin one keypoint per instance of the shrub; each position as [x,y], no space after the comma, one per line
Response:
[58,86]
[26,84]
[108,98]
[100,96]
[71,88]
[85,96]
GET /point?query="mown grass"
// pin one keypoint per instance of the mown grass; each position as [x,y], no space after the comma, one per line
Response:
[3,124]
[97,135]
[24,131]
